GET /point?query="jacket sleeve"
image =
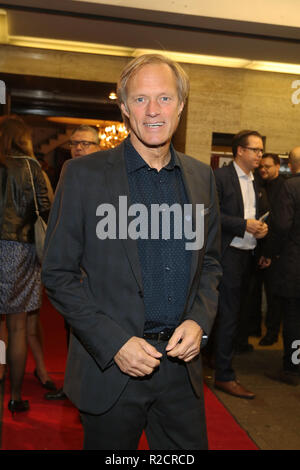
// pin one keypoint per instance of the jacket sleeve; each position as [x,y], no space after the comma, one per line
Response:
[63,276]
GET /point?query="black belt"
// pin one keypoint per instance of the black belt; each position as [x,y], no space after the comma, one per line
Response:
[163,335]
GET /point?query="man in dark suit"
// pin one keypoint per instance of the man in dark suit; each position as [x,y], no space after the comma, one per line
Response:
[269,172]
[241,206]
[286,224]
[139,299]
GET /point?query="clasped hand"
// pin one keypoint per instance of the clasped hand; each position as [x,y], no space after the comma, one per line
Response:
[138,358]
[257,228]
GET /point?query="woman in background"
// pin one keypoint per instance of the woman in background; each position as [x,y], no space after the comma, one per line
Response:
[20,279]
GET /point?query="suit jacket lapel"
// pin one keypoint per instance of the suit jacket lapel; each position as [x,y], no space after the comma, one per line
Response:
[237,187]
[117,182]
[194,193]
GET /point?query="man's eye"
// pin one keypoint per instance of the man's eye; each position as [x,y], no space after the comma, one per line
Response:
[165,98]
[140,99]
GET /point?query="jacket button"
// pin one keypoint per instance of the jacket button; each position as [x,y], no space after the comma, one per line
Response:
[141,294]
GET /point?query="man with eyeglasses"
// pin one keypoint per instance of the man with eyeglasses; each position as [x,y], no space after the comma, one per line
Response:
[269,172]
[84,140]
[241,206]
[286,223]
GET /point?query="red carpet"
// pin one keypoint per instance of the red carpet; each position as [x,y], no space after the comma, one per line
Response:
[56,426]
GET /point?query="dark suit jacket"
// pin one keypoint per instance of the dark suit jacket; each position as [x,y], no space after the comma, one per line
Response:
[286,223]
[97,284]
[232,206]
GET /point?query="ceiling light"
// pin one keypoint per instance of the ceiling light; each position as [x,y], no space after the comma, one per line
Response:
[188,58]
[111,133]
[293,69]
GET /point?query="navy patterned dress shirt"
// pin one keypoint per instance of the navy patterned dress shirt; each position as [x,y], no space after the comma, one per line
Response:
[165,263]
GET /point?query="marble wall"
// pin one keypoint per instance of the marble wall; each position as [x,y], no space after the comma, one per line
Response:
[228,100]
[221,100]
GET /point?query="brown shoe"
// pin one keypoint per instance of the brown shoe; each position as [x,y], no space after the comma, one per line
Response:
[233,387]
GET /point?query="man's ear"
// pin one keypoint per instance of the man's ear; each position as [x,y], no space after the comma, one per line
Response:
[124,110]
[238,150]
[181,106]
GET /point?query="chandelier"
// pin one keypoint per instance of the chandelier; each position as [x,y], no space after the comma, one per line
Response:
[111,133]
[111,136]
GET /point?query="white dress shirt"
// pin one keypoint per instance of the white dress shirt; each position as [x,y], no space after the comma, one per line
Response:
[248,242]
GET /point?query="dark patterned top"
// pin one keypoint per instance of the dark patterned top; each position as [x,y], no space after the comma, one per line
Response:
[165,263]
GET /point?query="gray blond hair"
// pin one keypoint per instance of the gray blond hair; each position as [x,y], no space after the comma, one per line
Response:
[84,128]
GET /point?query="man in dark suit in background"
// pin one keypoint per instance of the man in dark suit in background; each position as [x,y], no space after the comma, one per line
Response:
[83,141]
[138,305]
[286,224]
[269,172]
[240,206]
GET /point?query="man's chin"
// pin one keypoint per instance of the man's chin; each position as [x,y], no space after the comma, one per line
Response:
[151,143]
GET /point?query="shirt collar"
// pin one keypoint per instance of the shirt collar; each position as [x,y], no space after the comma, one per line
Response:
[135,162]
[241,173]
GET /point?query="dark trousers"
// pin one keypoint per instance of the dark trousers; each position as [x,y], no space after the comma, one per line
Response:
[232,323]
[273,316]
[290,332]
[163,404]
[265,277]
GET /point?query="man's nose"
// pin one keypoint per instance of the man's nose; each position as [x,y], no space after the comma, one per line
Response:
[153,108]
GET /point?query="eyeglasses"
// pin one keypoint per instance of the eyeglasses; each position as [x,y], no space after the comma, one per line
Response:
[83,143]
[255,150]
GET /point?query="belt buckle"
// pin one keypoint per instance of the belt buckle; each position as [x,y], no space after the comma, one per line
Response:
[165,334]
[161,336]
